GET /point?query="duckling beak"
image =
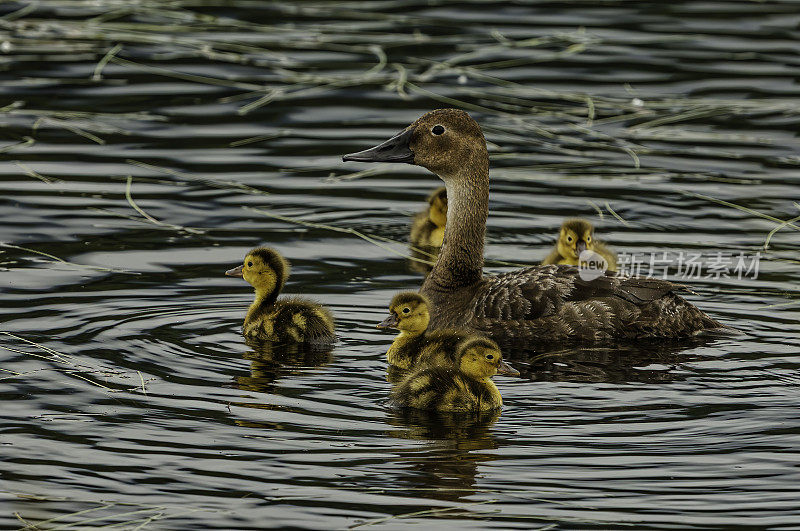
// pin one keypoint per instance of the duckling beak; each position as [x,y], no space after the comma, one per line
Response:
[396,149]
[580,246]
[235,272]
[389,322]
[506,369]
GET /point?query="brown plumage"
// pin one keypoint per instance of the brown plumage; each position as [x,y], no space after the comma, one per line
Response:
[293,319]
[576,236]
[535,304]
[466,387]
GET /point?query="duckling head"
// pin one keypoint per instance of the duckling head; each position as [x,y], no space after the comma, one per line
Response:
[437,212]
[575,237]
[409,313]
[265,269]
[443,141]
[481,358]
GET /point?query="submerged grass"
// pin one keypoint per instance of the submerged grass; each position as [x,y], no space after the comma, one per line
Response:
[132,516]
[530,118]
[378,241]
[69,365]
[54,258]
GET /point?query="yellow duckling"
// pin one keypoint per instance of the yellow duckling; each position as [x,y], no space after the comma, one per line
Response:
[465,388]
[414,345]
[427,230]
[576,236]
[291,319]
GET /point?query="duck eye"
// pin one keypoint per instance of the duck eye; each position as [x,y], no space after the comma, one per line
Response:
[406,310]
[489,357]
[249,264]
[569,238]
[588,239]
[437,130]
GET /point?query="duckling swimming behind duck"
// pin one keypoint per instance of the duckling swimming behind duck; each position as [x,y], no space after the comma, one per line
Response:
[576,236]
[427,230]
[414,345]
[290,319]
[465,388]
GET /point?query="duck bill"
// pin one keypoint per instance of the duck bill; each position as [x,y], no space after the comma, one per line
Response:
[235,272]
[396,149]
[506,369]
[580,246]
[389,322]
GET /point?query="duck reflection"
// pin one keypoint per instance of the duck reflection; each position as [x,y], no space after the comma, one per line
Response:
[644,362]
[270,360]
[445,469]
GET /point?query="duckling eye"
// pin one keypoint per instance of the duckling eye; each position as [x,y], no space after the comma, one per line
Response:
[489,357]
[406,310]
[588,239]
[249,264]
[437,130]
[569,238]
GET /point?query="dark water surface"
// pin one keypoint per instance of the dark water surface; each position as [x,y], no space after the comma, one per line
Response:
[129,397]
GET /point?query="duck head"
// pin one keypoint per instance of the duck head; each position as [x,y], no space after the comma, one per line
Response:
[480,358]
[575,237]
[409,313]
[265,269]
[437,212]
[443,141]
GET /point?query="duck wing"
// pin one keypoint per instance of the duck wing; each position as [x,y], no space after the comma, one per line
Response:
[540,291]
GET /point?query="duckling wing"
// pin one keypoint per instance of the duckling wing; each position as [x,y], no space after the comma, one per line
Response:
[303,320]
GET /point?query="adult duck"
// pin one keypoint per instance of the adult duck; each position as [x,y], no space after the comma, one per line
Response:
[539,303]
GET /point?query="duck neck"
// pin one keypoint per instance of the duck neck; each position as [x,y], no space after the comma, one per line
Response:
[263,300]
[395,355]
[460,261]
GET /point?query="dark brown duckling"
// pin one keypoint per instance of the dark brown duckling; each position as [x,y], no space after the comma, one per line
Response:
[575,237]
[537,304]
[465,388]
[269,318]
[427,230]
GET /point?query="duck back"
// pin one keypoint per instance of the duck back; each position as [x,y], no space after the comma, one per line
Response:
[446,389]
[291,320]
[553,303]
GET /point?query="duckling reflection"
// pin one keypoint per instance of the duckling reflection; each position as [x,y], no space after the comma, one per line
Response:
[271,360]
[576,236]
[427,232]
[446,469]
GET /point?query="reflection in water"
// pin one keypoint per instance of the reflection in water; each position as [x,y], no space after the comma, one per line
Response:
[445,469]
[607,363]
[268,361]
[206,107]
